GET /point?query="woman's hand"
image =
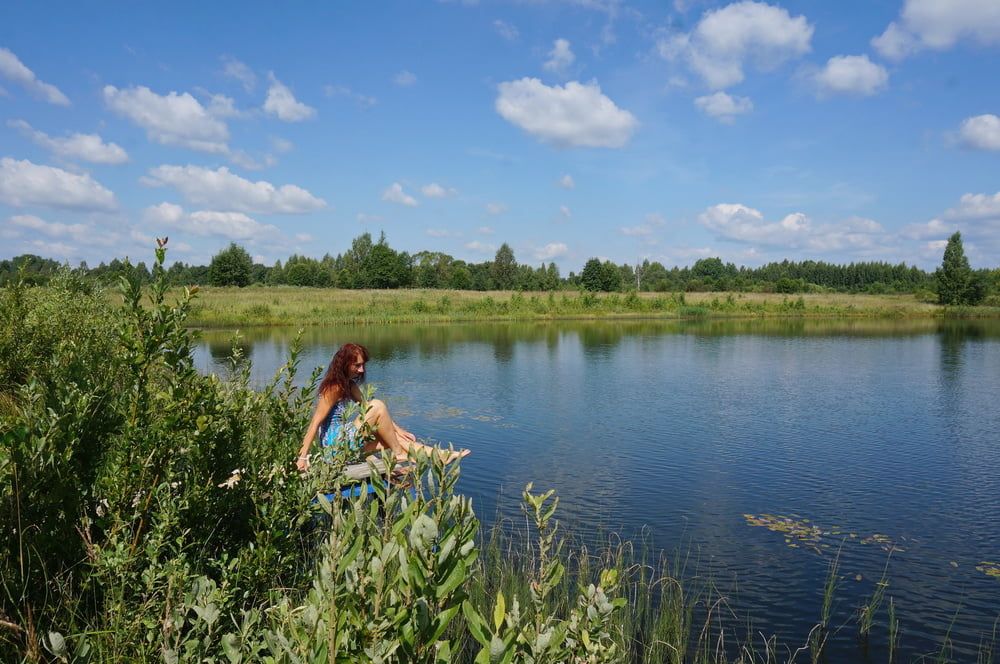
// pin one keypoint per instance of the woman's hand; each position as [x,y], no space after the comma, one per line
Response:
[302,463]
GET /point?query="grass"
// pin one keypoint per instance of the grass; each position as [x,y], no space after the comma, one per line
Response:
[290,306]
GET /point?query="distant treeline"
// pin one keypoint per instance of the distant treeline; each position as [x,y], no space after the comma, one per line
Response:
[374,264]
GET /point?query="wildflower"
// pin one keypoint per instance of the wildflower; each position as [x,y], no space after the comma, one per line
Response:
[233,479]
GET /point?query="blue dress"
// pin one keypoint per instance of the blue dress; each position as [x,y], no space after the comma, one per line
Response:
[337,432]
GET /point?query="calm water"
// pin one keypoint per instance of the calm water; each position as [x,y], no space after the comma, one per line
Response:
[679,430]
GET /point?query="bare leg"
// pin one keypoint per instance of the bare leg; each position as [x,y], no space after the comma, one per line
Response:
[380,421]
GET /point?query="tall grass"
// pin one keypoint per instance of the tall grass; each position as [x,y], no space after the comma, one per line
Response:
[277,306]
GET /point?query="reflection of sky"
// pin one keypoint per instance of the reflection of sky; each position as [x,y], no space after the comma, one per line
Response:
[683,429]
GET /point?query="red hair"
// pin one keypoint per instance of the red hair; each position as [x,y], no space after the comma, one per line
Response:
[336,373]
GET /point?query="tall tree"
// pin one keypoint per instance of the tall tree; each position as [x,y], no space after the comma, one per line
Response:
[504,268]
[231,267]
[592,276]
[956,282]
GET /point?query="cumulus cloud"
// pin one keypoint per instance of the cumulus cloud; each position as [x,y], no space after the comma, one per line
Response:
[365,218]
[485,230]
[936,25]
[560,57]
[78,233]
[975,206]
[795,231]
[851,74]
[171,119]
[725,40]
[221,106]
[933,228]
[235,226]
[239,71]
[222,189]
[723,107]
[85,147]
[577,115]
[567,182]
[394,194]
[480,247]
[14,70]
[405,79]
[434,190]
[565,212]
[505,30]
[23,183]
[282,104]
[981,132]
[550,251]
[496,208]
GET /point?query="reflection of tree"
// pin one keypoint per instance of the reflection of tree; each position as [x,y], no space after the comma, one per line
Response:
[434,341]
[221,349]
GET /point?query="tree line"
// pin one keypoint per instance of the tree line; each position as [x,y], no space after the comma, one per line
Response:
[375,264]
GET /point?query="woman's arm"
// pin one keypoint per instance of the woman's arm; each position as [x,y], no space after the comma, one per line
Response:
[323,406]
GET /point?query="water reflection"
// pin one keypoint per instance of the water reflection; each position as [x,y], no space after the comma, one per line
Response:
[871,427]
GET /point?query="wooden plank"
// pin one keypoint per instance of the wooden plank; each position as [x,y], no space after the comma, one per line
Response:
[362,471]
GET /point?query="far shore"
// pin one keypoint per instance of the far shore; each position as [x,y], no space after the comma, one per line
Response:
[290,306]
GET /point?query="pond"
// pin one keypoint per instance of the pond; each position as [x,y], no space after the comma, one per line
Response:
[756,451]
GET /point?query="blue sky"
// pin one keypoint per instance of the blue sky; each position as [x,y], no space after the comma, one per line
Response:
[569,129]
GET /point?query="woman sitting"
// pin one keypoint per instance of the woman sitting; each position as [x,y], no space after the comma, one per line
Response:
[338,389]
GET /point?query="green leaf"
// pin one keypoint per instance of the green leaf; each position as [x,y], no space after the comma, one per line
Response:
[475,623]
[454,579]
[230,646]
[499,611]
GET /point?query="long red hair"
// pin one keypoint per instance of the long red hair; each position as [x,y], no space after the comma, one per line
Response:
[336,373]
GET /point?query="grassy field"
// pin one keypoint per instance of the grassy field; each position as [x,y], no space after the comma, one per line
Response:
[277,306]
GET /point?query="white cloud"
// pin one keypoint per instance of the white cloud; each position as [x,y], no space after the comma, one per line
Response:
[282,104]
[496,208]
[172,119]
[796,230]
[726,39]
[577,115]
[221,106]
[405,79]
[234,226]
[480,247]
[434,190]
[23,183]
[437,232]
[981,132]
[933,228]
[653,221]
[567,182]
[723,107]
[364,102]
[281,144]
[975,206]
[560,57]
[235,69]
[565,212]
[394,194]
[13,69]
[76,232]
[222,189]
[937,25]
[366,218]
[505,30]
[852,74]
[85,147]
[485,230]
[550,251]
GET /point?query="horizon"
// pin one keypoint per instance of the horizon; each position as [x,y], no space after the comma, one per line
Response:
[627,131]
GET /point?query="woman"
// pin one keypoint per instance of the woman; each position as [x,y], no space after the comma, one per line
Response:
[337,390]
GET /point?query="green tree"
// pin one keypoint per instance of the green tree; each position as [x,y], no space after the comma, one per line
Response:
[956,282]
[231,267]
[504,268]
[592,277]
